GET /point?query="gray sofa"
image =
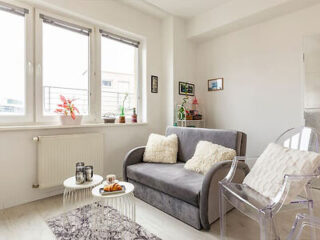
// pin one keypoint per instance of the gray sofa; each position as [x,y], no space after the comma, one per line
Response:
[190,197]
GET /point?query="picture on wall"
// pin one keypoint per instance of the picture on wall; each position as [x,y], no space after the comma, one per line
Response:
[215,84]
[186,88]
[154,84]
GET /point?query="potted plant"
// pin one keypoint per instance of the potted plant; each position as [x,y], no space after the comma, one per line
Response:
[182,111]
[122,118]
[67,111]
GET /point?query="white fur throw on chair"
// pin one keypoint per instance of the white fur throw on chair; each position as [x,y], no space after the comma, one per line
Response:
[267,174]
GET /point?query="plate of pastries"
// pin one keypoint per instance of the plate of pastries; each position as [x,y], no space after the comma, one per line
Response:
[112,189]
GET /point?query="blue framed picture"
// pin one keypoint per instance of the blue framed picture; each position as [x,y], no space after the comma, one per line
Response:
[215,84]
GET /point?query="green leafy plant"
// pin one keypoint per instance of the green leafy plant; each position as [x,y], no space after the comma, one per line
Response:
[122,107]
[67,107]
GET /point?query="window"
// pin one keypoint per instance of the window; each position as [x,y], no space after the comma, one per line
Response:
[12,60]
[106,83]
[43,56]
[65,64]
[119,62]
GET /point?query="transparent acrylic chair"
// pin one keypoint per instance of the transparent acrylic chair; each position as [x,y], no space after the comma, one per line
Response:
[260,208]
[303,220]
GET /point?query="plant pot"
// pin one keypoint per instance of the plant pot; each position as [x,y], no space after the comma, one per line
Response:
[109,120]
[67,120]
[122,119]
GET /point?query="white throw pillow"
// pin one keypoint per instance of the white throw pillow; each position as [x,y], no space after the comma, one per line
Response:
[267,174]
[206,155]
[161,149]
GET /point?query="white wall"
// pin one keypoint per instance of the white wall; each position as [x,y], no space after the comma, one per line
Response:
[236,14]
[18,151]
[168,69]
[184,58]
[179,63]
[262,70]
[312,71]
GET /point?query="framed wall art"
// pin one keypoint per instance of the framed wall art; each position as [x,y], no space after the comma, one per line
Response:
[215,84]
[154,84]
[186,88]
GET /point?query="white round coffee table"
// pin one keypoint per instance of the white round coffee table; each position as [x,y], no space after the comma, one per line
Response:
[123,202]
[78,193]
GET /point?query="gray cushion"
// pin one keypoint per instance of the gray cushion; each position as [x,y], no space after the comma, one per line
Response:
[171,179]
[189,138]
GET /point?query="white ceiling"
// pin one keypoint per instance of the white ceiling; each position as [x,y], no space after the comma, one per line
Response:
[146,7]
[186,8]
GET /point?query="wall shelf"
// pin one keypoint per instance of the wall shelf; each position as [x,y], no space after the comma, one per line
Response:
[191,123]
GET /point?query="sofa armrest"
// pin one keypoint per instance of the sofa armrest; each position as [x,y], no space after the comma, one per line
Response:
[133,157]
[209,199]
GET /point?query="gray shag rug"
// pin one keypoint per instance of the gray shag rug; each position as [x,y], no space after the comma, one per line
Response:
[80,224]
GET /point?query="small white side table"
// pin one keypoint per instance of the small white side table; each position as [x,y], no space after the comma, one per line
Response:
[79,193]
[123,202]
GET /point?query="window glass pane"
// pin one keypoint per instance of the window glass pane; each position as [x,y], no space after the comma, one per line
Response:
[118,75]
[65,68]
[12,64]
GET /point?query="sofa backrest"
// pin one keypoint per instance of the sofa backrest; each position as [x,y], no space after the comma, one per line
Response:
[189,138]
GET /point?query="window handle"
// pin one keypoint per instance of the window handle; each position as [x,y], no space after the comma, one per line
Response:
[30,68]
[38,70]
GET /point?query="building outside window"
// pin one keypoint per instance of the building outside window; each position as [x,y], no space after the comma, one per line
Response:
[44,55]
[65,61]
[119,62]
[12,61]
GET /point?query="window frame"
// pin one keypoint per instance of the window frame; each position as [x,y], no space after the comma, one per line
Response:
[39,114]
[33,68]
[138,73]
[28,71]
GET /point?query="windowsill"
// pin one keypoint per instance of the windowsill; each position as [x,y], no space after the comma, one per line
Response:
[59,126]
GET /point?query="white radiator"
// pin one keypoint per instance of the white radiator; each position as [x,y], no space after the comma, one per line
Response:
[58,155]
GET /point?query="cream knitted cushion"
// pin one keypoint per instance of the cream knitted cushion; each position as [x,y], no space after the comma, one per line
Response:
[161,149]
[206,155]
[267,174]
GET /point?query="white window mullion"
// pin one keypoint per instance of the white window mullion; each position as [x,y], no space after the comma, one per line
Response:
[97,83]
[142,83]
[93,78]
[38,67]
[30,83]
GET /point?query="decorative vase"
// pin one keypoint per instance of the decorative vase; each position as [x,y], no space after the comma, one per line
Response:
[122,119]
[67,120]
[181,113]
[134,116]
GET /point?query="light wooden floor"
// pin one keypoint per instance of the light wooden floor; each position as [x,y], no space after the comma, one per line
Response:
[28,222]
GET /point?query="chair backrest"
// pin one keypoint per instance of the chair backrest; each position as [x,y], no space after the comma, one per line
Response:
[300,138]
[189,138]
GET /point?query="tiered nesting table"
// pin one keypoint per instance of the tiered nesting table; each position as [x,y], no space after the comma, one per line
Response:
[75,194]
[123,202]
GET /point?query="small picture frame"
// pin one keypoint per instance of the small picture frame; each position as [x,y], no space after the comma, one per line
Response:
[215,84]
[154,84]
[186,88]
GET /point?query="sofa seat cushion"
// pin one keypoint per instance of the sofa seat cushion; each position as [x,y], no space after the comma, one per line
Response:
[172,179]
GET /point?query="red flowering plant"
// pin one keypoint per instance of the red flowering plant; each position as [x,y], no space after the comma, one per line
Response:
[67,107]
